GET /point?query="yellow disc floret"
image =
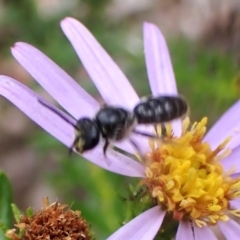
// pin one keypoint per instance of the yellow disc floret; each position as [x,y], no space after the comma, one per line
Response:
[185,176]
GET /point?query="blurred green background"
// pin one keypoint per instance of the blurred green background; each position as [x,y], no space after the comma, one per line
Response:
[205,52]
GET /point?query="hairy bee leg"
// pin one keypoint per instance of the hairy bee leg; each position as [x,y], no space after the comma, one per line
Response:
[164,130]
[105,147]
[126,153]
[137,148]
[106,144]
[155,128]
[161,138]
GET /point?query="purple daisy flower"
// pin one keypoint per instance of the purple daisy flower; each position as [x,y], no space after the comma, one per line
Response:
[196,179]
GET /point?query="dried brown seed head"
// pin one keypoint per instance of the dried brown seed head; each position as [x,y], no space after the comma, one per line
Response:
[53,222]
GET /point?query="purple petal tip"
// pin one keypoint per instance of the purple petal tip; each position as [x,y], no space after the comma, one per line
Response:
[19,45]
[68,20]
[150,25]
[14,46]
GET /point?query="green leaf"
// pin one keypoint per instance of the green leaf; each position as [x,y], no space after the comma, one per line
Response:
[16,212]
[5,207]
[3,228]
[30,212]
[17,215]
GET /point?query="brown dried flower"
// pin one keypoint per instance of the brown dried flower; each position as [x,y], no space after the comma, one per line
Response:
[53,222]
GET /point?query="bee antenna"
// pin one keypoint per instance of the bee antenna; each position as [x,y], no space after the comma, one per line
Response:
[57,112]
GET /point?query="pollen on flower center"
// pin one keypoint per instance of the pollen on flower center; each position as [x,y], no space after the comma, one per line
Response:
[186,177]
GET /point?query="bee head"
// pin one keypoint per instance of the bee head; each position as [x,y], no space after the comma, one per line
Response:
[87,135]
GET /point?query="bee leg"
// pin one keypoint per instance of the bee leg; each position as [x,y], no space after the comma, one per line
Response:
[145,134]
[155,127]
[137,148]
[164,130]
[134,144]
[161,138]
[105,147]
[72,146]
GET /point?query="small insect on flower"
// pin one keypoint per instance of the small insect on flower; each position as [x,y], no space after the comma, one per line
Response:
[114,124]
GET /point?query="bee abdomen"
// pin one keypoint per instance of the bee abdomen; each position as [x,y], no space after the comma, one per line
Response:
[160,109]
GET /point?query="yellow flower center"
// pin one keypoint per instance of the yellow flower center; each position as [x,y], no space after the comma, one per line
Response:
[185,176]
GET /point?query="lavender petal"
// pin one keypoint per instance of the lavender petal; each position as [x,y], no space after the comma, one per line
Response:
[235,175]
[159,66]
[235,204]
[115,162]
[230,229]
[203,233]
[227,125]
[58,83]
[185,231]
[27,101]
[106,75]
[143,227]
[232,161]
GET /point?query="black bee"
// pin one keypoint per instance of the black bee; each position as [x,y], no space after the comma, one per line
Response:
[154,110]
[115,123]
